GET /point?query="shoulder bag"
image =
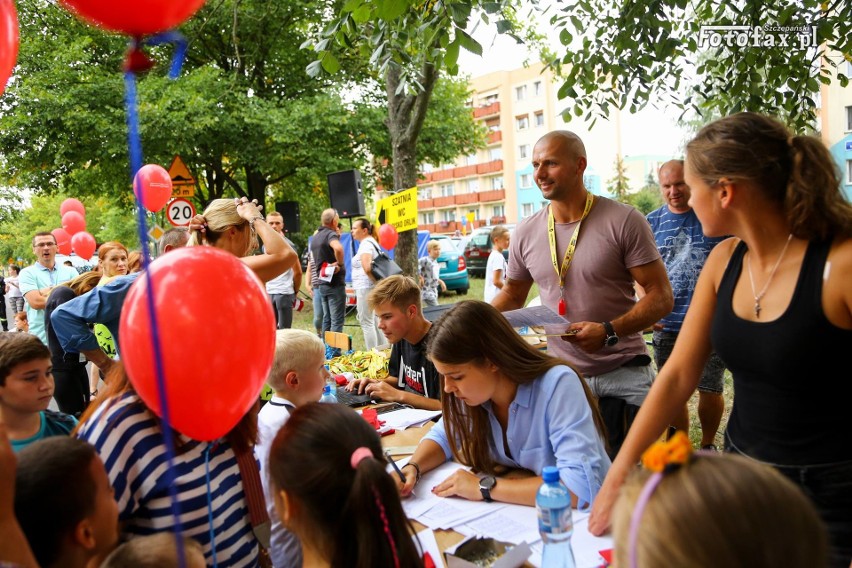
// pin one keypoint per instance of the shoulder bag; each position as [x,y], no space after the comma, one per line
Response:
[383,265]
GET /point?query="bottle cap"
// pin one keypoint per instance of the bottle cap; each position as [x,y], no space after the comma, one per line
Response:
[550,474]
[326,389]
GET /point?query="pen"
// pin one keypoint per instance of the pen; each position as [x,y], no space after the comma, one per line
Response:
[396,467]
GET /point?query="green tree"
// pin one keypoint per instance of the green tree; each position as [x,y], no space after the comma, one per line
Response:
[619,184]
[646,199]
[626,55]
[408,43]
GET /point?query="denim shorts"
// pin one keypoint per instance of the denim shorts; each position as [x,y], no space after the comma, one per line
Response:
[829,486]
[713,378]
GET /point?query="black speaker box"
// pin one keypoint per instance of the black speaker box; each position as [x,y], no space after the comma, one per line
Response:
[345,194]
[290,211]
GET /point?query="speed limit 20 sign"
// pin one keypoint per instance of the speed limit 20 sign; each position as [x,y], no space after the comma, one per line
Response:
[179,212]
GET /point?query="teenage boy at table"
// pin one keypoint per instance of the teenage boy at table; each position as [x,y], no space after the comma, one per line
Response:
[297,377]
[412,378]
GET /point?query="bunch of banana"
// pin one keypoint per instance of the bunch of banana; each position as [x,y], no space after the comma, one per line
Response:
[362,364]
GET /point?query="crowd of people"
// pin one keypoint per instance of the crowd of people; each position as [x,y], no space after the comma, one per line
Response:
[745,267]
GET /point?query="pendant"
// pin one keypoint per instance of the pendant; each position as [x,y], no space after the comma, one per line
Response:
[757,309]
[561,306]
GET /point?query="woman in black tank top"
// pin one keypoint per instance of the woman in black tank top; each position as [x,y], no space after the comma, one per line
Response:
[775,303]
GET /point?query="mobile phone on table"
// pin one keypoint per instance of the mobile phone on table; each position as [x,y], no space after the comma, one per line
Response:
[391,407]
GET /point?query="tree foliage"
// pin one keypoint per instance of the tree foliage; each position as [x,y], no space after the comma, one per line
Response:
[629,54]
[619,184]
[407,44]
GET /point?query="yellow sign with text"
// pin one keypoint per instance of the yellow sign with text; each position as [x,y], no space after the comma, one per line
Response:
[400,209]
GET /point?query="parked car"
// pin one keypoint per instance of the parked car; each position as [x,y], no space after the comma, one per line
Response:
[453,267]
[479,247]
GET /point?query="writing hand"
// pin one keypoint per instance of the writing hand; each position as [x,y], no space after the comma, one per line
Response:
[461,483]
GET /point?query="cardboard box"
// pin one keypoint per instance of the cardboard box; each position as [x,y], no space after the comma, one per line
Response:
[471,552]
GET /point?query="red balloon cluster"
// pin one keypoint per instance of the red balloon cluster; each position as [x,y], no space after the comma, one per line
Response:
[152,186]
[137,18]
[8,41]
[73,236]
[217,336]
[388,236]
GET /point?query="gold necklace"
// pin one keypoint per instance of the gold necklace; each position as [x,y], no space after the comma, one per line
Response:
[757,297]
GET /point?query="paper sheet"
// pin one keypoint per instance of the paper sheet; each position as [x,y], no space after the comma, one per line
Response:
[535,316]
[430,545]
[407,417]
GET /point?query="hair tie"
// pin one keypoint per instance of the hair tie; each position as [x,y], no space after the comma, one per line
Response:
[358,455]
[661,458]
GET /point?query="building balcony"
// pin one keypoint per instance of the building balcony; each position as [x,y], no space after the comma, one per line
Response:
[448,226]
[493,195]
[431,227]
[444,201]
[467,198]
[498,219]
[427,177]
[490,167]
[441,175]
[488,110]
[464,171]
[425,203]
[495,136]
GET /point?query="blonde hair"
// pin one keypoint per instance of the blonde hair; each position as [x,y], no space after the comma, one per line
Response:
[219,216]
[498,232]
[154,551]
[433,244]
[295,349]
[84,282]
[134,261]
[723,510]
[401,291]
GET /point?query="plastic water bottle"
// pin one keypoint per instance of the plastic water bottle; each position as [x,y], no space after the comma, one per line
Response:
[328,395]
[553,503]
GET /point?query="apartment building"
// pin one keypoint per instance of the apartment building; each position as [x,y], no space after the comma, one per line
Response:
[495,184]
[835,121]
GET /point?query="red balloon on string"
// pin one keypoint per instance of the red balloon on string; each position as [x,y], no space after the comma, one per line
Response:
[63,241]
[211,379]
[73,222]
[8,41]
[135,18]
[84,244]
[388,236]
[153,187]
[72,204]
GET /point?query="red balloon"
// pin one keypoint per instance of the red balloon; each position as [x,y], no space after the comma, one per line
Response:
[137,17]
[84,244]
[153,187]
[388,236]
[217,338]
[73,222]
[8,41]
[63,241]
[72,204]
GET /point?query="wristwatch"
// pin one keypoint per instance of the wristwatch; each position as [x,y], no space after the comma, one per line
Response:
[611,337]
[486,484]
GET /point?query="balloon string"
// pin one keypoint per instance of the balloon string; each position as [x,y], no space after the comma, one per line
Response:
[180,49]
[135,147]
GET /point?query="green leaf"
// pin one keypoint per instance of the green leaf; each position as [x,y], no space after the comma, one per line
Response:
[389,10]
[362,14]
[451,55]
[467,42]
[314,68]
[330,63]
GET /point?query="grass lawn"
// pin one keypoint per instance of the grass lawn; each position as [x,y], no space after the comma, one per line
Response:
[304,320]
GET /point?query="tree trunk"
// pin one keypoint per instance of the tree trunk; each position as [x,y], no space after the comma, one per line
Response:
[406,114]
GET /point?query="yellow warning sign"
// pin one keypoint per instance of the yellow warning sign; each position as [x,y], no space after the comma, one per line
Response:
[183,184]
[400,209]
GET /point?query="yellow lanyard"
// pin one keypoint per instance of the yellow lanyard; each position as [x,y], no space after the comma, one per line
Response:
[569,253]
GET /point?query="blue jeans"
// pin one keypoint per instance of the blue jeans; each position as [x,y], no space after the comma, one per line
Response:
[333,300]
[829,487]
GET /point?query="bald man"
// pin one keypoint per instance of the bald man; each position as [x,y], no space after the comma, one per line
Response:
[586,253]
[328,259]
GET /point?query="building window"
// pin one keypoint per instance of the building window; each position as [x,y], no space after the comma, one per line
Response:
[537,88]
[526,180]
[522,122]
[849,118]
[498,211]
[448,215]
[497,182]
[539,119]
[470,160]
[495,154]
[543,204]
[524,151]
[526,210]
[521,92]
[428,218]
[424,193]
[473,186]
[849,171]
[489,99]
[447,190]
